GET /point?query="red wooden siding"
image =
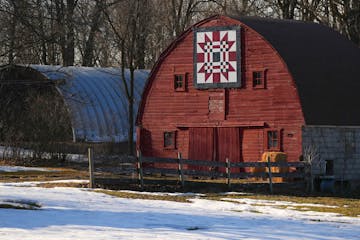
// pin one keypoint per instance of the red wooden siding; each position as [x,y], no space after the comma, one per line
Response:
[252,144]
[201,145]
[228,145]
[246,109]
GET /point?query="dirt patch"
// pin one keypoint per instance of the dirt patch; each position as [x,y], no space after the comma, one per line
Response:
[162,197]
[59,174]
[63,184]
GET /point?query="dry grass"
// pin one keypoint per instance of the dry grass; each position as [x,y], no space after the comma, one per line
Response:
[63,184]
[162,197]
[344,206]
[51,175]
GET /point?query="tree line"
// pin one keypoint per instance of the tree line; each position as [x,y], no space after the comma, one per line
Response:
[133,33]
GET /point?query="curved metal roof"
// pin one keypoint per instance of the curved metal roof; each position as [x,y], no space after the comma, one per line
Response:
[96,99]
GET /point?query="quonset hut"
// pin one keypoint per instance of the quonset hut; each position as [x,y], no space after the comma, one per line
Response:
[237,87]
[93,100]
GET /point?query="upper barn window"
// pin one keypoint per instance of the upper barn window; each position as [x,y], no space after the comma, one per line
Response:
[180,82]
[217,59]
[258,79]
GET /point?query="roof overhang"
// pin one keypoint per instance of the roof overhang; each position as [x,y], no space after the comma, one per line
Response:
[222,124]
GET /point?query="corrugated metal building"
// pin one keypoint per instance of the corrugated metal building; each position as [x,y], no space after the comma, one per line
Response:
[95,97]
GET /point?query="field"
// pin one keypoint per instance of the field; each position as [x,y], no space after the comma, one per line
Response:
[33,206]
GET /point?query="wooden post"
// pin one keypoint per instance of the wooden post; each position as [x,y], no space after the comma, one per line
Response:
[310,177]
[228,173]
[180,170]
[139,169]
[270,175]
[91,168]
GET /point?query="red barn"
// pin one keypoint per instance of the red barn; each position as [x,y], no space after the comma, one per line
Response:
[240,86]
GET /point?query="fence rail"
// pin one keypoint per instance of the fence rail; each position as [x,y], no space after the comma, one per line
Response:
[200,168]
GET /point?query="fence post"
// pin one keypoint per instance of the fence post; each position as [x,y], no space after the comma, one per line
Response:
[180,170]
[270,175]
[140,169]
[228,172]
[91,167]
[309,177]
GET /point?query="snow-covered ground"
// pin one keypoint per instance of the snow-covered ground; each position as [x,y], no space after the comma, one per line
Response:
[7,152]
[71,213]
[23,169]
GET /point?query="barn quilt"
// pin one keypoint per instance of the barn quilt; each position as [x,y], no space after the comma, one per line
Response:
[217,57]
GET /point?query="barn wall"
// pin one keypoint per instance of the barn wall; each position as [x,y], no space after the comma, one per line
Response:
[277,106]
[340,144]
[252,144]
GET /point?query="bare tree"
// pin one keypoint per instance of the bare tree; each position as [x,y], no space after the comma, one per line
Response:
[287,8]
[347,14]
[126,27]
[181,13]
[239,7]
[65,10]
[315,164]
[95,23]
[12,33]
[33,113]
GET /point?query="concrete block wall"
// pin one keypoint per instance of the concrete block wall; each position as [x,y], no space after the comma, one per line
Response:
[338,143]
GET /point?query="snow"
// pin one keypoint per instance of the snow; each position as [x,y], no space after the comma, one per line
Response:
[24,169]
[72,213]
[7,152]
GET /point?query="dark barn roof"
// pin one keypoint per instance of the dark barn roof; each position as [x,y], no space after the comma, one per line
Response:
[325,67]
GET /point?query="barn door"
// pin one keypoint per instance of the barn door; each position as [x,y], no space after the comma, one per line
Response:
[201,145]
[228,145]
[214,144]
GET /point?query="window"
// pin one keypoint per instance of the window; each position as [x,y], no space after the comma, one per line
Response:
[180,82]
[258,79]
[350,142]
[169,140]
[273,140]
[329,167]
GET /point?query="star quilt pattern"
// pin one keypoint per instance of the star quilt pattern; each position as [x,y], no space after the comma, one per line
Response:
[217,58]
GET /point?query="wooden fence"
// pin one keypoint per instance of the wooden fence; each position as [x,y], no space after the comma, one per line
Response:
[183,168]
